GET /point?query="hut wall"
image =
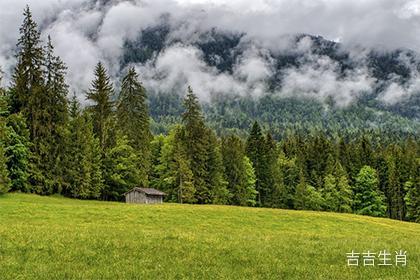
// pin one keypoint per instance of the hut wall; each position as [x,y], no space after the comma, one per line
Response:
[135,197]
[154,199]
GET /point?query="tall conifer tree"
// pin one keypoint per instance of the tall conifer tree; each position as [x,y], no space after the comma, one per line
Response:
[196,142]
[255,149]
[83,162]
[133,120]
[27,81]
[100,95]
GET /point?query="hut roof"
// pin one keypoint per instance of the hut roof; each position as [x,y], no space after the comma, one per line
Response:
[149,191]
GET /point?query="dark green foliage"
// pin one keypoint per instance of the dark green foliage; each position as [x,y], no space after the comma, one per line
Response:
[412,197]
[83,166]
[156,146]
[196,143]
[151,40]
[215,179]
[4,173]
[288,179]
[18,153]
[39,92]
[239,172]
[368,198]
[337,193]
[133,121]
[262,152]
[121,172]
[306,196]
[28,74]
[100,95]
[49,120]
[173,171]
[255,148]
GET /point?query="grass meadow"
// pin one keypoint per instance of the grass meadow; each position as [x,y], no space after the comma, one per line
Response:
[60,238]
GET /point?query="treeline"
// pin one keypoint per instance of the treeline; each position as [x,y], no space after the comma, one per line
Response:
[50,144]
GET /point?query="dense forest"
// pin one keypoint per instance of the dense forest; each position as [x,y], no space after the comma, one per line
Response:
[51,145]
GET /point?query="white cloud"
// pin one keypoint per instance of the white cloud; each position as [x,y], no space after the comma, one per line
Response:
[180,65]
[321,79]
[85,32]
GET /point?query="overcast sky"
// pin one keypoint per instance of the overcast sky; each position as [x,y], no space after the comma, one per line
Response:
[382,24]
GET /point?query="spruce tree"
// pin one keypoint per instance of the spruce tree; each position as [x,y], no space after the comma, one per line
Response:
[336,191]
[368,198]
[133,120]
[83,162]
[39,92]
[345,192]
[255,148]
[239,172]
[248,195]
[155,151]
[288,179]
[48,135]
[4,173]
[394,183]
[215,179]
[100,95]
[271,175]
[121,170]
[174,172]
[184,177]
[27,81]
[196,144]
[18,153]
[306,196]
[412,198]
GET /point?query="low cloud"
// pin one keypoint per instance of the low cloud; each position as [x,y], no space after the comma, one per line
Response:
[86,31]
[182,65]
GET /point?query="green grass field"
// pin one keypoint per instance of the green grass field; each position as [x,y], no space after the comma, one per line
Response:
[59,238]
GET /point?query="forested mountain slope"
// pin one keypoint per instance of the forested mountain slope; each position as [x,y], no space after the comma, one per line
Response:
[309,83]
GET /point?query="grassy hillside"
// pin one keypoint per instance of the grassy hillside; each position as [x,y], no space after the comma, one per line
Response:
[57,238]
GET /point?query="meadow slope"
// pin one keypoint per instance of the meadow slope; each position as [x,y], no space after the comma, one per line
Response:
[59,238]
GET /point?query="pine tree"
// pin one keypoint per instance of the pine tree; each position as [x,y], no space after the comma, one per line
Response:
[396,176]
[51,119]
[133,120]
[248,194]
[4,173]
[184,176]
[412,198]
[287,181]
[271,175]
[121,170]
[27,81]
[368,198]
[306,196]
[239,172]
[18,153]
[255,146]
[100,95]
[83,162]
[346,194]
[336,191]
[39,92]
[174,170]
[215,179]
[196,143]
[156,146]
[331,193]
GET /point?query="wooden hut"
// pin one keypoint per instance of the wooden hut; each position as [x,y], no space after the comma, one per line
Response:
[144,196]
